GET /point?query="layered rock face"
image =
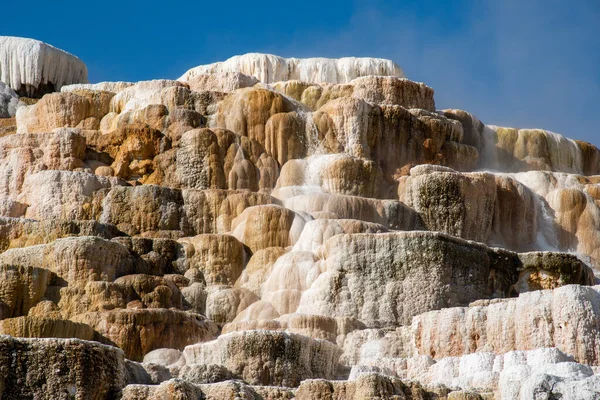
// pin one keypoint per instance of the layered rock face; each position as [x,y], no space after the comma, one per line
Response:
[33,68]
[269,68]
[270,228]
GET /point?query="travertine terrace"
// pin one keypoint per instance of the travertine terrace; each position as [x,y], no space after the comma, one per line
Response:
[270,228]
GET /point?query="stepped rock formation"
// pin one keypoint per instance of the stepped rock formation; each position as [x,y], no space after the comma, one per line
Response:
[270,228]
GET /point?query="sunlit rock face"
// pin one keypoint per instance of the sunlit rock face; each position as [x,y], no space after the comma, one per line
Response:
[375,278]
[33,68]
[78,109]
[458,204]
[269,68]
[289,228]
[373,89]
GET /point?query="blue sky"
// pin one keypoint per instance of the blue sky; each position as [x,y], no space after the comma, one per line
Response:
[522,63]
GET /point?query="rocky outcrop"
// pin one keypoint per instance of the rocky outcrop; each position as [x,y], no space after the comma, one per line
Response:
[217,159]
[265,226]
[536,319]
[9,101]
[65,195]
[176,388]
[536,149]
[513,375]
[268,358]
[79,109]
[51,368]
[33,68]
[565,318]
[459,204]
[152,209]
[389,213]
[21,288]
[221,82]
[220,258]
[114,87]
[367,386]
[268,68]
[127,153]
[377,278]
[23,155]
[392,136]
[373,89]
[45,326]
[269,228]
[79,259]
[138,332]
[20,232]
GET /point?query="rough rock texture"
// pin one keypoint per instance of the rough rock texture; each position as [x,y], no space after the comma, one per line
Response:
[268,68]
[265,226]
[33,326]
[372,277]
[314,226]
[138,332]
[458,204]
[59,369]
[373,89]
[20,232]
[33,68]
[368,386]
[221,82]
[9,101]
[268,358]
[114,87]
[514,375]
[390,135]
[78,109]
[23,155]
[536,149]
[566,318]
[220,258]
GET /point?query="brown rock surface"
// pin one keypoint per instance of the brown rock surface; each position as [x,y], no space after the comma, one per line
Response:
[268,358]
[138,332]
[79,109]
[53,368]
[231,233]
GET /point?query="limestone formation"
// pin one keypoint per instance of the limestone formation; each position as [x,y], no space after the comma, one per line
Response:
[367,386]
[114,87]
[23,155]
[79,109]
[220,258]
[268,358]
[20,232]
[269,68]
[9,101]
[51,368]
[270,228]
[33,68]
[458,204]
[221,82]
[373,277]
[373,89]
[138,332]
[265,226]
